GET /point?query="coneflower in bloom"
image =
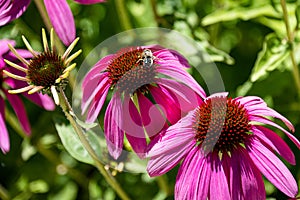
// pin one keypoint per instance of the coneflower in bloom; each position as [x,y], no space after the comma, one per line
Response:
[225,148]
[141,77]
[15,101]
[45,71]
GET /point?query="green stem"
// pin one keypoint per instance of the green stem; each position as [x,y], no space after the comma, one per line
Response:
[291,43]
[3,193]
[123,15]
[68,111]
[163,184]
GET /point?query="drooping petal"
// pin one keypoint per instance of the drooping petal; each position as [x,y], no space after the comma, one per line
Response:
[112,126]
[62,20]
[267,121]
[194,176]
[89,1]
[4,137]
[97,69]
[245,179]
[11,10]
[20,111]
[172,147]
[96,106]
[186,97]
[272,167]
[275,142]
[132,126]
[153,118]
[181,75]
[219,188]
[163,97]
[92,90]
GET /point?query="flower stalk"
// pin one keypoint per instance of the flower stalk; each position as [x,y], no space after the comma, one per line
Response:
[290,38]
[68,111]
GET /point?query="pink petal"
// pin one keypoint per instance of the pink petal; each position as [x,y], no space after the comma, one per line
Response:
[153,116]
[162,96]
[181,75]
[132,125]
[4,46]
[245,179]
[62,20]
[164,56]
[132,122]
[218,183]
[20,111]
[98,69]
[272,168]
[173,146]
[112,123]
[194,176]
[97,104]
[4,137]
[41,100]
[93,89]
[275,142]
[267,121]
[89,1]
[186,97]
[251,101]
[256,106]
[139,145]
[12,10]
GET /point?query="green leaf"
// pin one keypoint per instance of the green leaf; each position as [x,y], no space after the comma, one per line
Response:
[244,13]
[217,55]
[72,143]
[274,52]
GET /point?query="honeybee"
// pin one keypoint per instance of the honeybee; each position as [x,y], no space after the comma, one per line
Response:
[147,58]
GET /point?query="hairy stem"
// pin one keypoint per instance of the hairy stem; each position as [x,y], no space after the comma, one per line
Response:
[291,43]
[68,111]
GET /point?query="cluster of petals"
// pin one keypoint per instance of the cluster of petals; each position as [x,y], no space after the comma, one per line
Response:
[15,101]
[227,175]
[135,115]
[58,11]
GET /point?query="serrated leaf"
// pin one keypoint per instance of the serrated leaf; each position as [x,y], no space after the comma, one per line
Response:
[274,52]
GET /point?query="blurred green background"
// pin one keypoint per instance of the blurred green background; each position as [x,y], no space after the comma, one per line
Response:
[246,39]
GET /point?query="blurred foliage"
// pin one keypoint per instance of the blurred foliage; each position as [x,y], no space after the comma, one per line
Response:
[246,39]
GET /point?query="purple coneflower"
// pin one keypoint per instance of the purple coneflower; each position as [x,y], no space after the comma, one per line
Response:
[15,101]
[45,71]
[141,77]
[225,148]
